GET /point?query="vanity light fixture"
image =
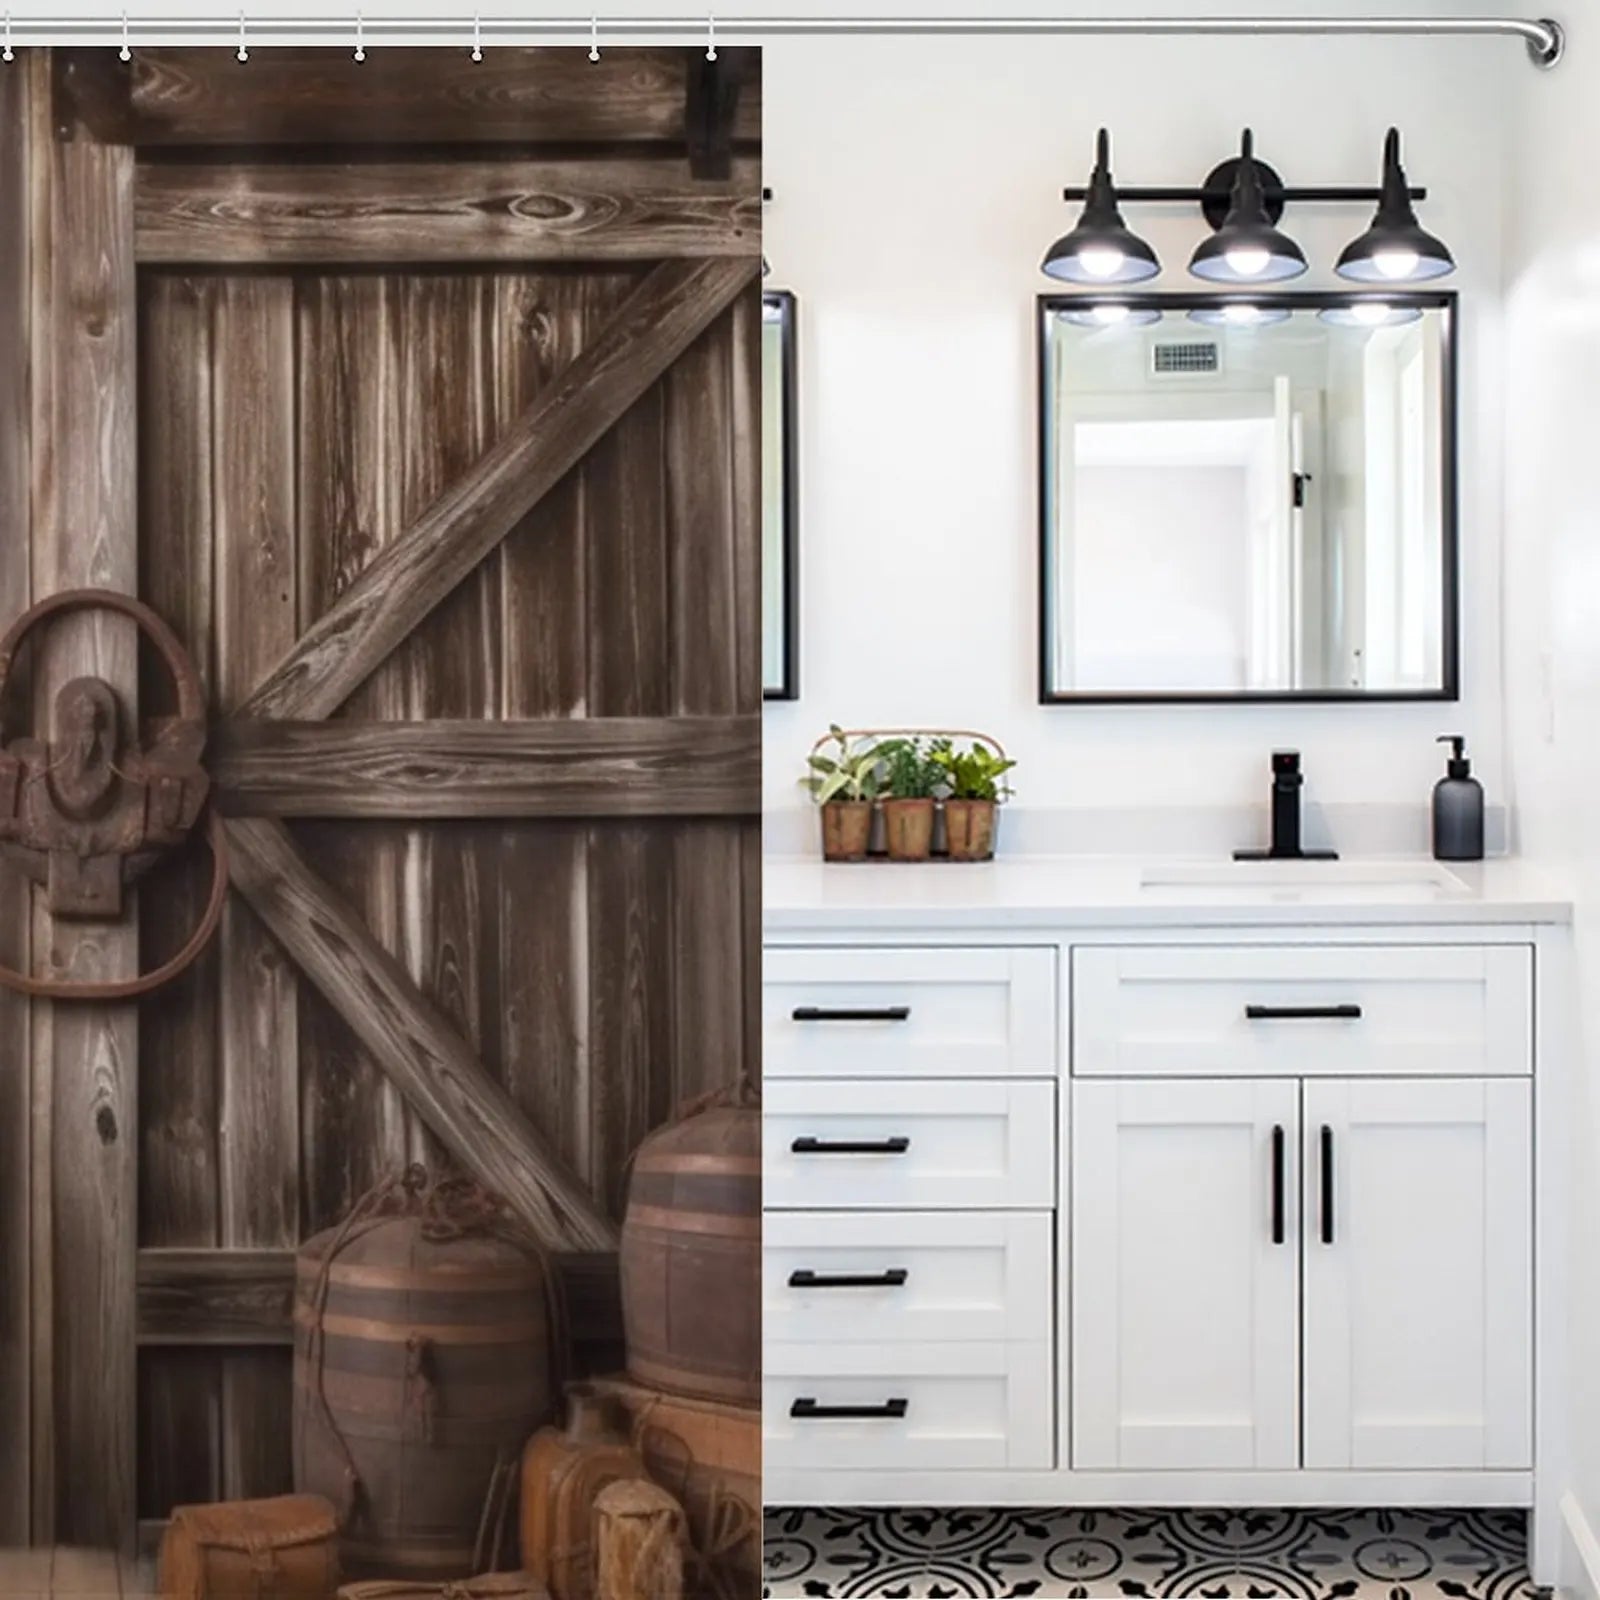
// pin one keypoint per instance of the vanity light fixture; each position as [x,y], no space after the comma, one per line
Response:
[1100,249]
[1372,313]
[1240,314]
[1395,249]
[1247,247]
[1109,314]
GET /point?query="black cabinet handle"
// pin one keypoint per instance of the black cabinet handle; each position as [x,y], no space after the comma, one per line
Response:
[805,1278]
[807,1146]
[851,1013]
[1342,1013]
[809,1409]
[1278,1142]
[1327,1184]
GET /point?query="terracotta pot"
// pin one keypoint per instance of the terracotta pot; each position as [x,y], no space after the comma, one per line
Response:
[908,829]
[846,826]
[969,829]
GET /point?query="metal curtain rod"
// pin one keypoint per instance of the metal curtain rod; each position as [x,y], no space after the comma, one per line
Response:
[1542,36]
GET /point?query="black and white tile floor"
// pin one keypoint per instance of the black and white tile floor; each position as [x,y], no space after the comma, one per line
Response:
[1122,1555]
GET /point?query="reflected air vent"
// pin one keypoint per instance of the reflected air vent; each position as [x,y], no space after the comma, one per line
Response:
[1185,358]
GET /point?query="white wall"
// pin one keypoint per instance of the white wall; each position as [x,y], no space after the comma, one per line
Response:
[917,185]
[1553,597]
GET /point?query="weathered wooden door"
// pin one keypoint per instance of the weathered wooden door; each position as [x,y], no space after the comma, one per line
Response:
[420,396]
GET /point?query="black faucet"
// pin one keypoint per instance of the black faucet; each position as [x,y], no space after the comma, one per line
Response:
[1287,780]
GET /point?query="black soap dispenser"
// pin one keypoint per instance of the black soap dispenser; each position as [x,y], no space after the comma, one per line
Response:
[1457,807]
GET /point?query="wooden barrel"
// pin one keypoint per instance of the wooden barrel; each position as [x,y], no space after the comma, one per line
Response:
[691,1254]
[422,1364]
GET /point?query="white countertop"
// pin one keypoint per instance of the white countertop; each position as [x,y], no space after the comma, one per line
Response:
[800,895]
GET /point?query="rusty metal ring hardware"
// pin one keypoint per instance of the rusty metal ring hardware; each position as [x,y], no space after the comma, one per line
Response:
[87,811]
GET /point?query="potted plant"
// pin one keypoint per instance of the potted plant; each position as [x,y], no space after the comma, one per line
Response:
[974,782]
[843,781]
[909,779]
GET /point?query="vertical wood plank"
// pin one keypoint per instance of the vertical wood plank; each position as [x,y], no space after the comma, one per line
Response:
[15,1098]
[354,1126]
[707,905]
[178,1107]
[541,322]
[84,532]
[629,607]
[253,417]
[450,667]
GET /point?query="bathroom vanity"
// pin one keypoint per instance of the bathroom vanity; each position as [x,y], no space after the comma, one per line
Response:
[1164,1184]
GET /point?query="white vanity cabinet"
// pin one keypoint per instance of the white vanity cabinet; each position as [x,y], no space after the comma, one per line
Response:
[1082,1195]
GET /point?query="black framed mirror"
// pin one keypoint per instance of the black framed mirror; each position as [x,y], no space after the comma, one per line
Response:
[1247,498]
[780,500]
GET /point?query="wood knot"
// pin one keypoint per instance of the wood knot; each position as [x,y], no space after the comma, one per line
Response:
[105,1124]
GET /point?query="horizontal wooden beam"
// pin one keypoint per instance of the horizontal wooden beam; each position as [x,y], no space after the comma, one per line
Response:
[427,1059]
[466,211]
[215,1297]
[672,306]
[561,767]
[321,96]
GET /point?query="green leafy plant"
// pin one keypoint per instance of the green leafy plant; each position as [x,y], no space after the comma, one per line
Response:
[909,772]
[842,770]
[975,773]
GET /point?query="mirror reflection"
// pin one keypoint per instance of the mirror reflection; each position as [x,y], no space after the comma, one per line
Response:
[1247,502]
[779,499]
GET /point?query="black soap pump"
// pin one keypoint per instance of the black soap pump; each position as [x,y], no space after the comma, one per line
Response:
[1457,807]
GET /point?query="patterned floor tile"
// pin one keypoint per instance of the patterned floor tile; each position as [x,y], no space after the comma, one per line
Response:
[1198,1554]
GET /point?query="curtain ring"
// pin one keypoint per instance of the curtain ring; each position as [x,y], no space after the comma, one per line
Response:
[125,53]
[361,49]
[243,52]
[477,37]
[594,36]
[711,38]
[8,54]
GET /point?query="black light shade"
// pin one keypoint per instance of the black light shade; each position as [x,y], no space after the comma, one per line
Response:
[1101,249]
[1108,314]
[1247,248]
[1370,312]
[1395,249]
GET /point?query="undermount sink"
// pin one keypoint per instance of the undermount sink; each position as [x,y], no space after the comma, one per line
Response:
[1332,875]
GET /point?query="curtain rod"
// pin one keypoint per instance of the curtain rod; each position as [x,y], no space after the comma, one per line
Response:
[1543,37]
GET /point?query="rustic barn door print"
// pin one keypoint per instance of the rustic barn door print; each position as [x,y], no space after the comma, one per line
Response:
[421,399]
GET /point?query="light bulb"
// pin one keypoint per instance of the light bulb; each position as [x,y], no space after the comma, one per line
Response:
[1240,314]
[1248,263]
[1110,314]
[1101,260]
[1395,263]
[1371,312]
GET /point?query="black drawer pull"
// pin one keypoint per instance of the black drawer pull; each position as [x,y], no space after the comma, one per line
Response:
[1327,1184]
[807,1146]
[1279,1140]
[1344,1013]
[852,1013]
[805,1278]
[809,1409]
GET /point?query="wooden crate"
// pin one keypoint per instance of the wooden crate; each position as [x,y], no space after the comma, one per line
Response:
[709,1455]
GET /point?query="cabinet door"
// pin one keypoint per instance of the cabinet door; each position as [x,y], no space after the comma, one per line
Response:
[1418,1274]
[1185,1274]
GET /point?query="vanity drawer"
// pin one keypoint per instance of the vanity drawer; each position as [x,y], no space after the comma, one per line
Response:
[875,1012]
[965,1407]
[912,1277]
[1302,1010]
[909,1145]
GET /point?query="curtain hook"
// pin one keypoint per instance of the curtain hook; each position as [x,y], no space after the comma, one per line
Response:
[8,54]
[125,53]
[711,38]
[594,36]
[477,37]
[243,52]
[361,49]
